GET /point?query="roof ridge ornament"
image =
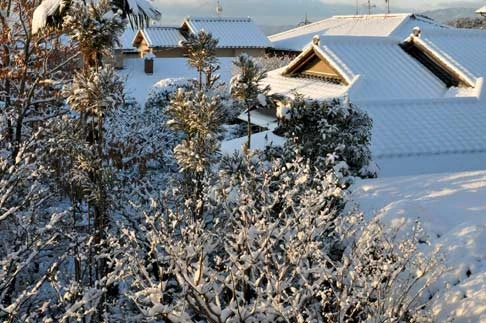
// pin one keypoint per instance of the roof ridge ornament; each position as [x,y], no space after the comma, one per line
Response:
[316,40]
[219,9]
[416,31]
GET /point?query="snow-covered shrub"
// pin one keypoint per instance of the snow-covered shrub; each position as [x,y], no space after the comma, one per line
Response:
[273,245]
[32,235]
[139,139]
[199,117]
[164,90]
[331,134]
[95,92]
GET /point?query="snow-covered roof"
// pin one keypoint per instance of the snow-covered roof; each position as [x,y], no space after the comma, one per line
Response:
[415,114]
[427,127]
[230,32]
[262,117]
[397,25]
[376,68]
[259,141]
[126,40]
[463,49]
[160,36]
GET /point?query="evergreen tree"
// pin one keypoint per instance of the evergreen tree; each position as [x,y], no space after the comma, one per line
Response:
[330,134]
[246,87]
[199,117]
[52,12]
[201,54]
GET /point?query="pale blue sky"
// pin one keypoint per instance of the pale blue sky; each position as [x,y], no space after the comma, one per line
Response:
[274,12]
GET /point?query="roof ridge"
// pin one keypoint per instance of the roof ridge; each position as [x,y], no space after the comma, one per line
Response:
[343,17]
[161,27]
[215,18]
[301,27]
[378,15]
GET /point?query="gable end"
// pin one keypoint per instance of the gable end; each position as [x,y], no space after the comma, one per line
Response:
[314,65]
[434,64]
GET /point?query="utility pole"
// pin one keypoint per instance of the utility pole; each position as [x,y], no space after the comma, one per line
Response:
[388,6]
[370,5]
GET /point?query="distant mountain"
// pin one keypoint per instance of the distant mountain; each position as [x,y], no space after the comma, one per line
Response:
[445,15]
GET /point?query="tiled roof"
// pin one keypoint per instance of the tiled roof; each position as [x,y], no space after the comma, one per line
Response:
[168,37]
[413,112]
[427,127]
[375,67]
[397,25]
[230,32]
[465,50]
[126,39]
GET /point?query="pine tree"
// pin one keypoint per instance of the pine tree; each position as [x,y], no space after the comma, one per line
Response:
[199,117]
[246,87]
[201,54]
[52,12]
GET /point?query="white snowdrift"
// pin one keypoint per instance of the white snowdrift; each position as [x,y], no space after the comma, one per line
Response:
[452,210]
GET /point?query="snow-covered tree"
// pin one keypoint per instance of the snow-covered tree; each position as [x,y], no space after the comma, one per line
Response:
[94,28]
[198,117]
[52,12]
[201,54]
[246,87]
[274,245]
[32,67]
[331,134]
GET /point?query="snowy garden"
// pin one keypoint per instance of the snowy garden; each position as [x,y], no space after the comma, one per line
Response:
[121,206]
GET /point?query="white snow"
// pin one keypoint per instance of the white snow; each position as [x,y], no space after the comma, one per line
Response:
[262,99]
[138,84]
[149,56]
[45,9]
[380,25]
[452,210]
[231,32]
[258,142]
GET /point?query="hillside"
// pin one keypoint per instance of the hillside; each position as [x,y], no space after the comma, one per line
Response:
[445,15]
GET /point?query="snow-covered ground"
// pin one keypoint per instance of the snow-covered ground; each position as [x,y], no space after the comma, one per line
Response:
[258,141]
[452,210]
[139,84]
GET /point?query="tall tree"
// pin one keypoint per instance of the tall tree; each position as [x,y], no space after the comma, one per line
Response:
[246,87]
[201,54]
[32,69]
